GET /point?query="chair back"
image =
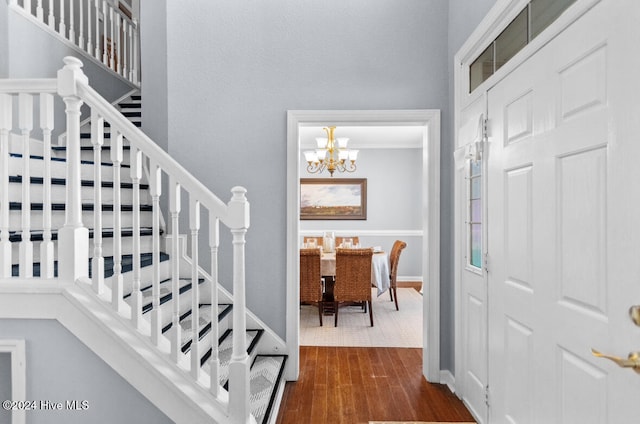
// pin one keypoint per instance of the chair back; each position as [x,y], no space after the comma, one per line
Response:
[355,240]
[318,240]
[353,274]
[310,276]
[394,258]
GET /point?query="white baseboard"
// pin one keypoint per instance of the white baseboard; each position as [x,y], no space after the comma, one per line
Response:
[447,378]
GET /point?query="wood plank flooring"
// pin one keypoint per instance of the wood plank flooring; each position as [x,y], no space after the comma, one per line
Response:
[353,385]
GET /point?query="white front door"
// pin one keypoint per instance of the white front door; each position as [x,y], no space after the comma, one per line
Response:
[563,227]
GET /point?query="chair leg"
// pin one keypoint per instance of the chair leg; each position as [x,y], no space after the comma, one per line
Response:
[395,295]
[391,293]
[336,307]
[320,311]
[370,311]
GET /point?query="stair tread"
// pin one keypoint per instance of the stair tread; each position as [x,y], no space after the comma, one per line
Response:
[127,264]
[37,235]
[16,206]
[225,346]
[83,162]
[85,183]
[264,377]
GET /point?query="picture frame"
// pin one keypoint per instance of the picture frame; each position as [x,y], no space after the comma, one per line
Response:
[333,198]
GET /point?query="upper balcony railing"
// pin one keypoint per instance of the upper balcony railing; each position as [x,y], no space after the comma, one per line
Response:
[96,27]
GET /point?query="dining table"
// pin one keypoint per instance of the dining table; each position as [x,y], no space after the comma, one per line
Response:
[379,268]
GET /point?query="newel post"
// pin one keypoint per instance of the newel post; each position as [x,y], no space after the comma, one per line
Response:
[238,221]
[73,252]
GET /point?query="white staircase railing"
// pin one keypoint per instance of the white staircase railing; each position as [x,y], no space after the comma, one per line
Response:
[72,250]
[96,27]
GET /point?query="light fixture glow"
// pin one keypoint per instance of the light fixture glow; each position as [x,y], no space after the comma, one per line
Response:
[329,156]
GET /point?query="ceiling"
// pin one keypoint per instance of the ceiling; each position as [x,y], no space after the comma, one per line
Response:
[368,137]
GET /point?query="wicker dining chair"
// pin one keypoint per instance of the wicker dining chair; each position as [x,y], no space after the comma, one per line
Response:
[394,257]
[353,278]
[355,240]
[318,240]
[311,278]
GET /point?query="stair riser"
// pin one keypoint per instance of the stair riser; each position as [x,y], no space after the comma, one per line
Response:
[146,277]
[105,155]
[59,170]
[146,246]
[58,194]
[58,218]
[184,306]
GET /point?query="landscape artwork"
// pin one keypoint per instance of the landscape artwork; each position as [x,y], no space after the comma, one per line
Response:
[333,198]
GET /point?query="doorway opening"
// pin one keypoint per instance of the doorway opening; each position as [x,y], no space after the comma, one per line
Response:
[429,120]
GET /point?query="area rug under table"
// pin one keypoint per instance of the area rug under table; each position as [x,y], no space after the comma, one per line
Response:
[417,422]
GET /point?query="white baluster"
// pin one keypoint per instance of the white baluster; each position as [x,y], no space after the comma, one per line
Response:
[238,212]
[136,295]
[90,7]
[25,118]
[105,57]
[174,209]
[46,247]
[130,50]
[72,32]
[123,66]
[134,63]
[81,23]
[214,360]
[26,5]
[40,11]
[194,222]
[62,27]
[116,50]
[51,19]
[6,105]
[73,237]
[155,188]
[97,262]
[111,40]
[116,280]
[96,6]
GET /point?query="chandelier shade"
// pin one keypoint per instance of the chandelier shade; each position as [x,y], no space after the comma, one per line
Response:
[331,155]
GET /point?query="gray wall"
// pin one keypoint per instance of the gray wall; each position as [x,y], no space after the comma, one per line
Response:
[236,67]
[394,200]
[5,384]
[60,368]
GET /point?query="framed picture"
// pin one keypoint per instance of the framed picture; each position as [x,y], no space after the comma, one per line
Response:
[333,198]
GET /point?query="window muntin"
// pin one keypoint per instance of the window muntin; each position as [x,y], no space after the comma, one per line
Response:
[475,214]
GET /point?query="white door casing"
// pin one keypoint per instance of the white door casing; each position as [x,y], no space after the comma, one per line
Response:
[562,233]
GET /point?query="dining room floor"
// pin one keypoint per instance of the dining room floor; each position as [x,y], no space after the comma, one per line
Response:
[392,328]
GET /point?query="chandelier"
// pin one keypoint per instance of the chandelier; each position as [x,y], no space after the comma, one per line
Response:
[330,156]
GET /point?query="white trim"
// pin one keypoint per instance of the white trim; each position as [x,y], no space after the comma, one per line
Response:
[16,348]
[365,233]
[430,119]
[447,378]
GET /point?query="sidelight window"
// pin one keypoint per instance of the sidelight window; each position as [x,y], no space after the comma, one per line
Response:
[475,214]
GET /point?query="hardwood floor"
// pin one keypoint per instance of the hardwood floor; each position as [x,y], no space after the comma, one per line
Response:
[353,385]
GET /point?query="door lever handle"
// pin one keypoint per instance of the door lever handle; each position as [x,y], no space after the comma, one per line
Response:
[632,361]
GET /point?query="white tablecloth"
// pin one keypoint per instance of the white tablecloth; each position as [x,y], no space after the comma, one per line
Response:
[379,269]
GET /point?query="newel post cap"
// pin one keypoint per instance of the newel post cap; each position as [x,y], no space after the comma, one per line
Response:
[69,76]
[238,208]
